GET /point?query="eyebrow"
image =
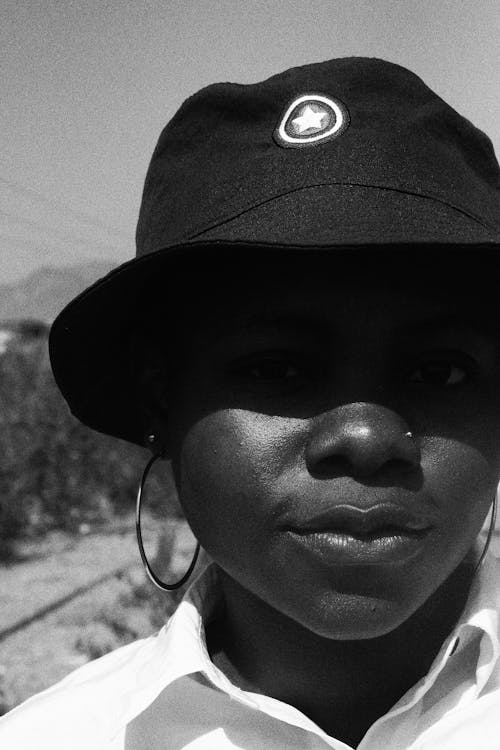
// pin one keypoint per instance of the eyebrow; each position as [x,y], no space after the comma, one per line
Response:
[432,323]
[450,322]
[263,319]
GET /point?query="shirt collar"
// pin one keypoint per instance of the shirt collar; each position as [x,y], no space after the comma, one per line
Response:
[481,618]
[186,632]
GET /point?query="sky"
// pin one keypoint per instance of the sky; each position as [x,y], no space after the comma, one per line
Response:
[87,86]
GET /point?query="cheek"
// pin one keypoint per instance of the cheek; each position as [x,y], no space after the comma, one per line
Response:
[228,467]
[462,480]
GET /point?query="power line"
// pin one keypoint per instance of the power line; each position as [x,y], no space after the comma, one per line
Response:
[18,187]
[56,233]
[34,247]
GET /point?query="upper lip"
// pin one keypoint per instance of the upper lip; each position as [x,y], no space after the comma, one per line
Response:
[363,520]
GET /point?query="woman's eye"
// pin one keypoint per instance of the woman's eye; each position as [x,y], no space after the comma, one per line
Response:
[273,370]
[440,374]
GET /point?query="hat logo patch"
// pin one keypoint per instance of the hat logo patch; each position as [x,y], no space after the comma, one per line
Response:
[311,119]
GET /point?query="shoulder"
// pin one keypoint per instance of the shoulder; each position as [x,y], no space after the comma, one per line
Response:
[87,707]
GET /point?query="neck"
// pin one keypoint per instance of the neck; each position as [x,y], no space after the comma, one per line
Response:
[336,683]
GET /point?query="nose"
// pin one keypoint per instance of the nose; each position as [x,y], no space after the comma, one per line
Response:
[360,440]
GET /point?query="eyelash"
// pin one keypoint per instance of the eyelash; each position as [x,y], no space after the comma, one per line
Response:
[249,368]
[461,370]
[458,375]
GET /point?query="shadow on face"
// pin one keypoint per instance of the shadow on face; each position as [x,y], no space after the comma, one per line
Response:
[288,392]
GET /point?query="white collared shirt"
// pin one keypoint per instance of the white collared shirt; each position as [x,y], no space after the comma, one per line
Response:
[164,693]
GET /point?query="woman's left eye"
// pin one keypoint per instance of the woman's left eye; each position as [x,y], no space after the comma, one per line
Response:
[273,370]
[440,374]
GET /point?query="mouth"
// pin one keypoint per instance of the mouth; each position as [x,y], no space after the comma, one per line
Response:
[347,535]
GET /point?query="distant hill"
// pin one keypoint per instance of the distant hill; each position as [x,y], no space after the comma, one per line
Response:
[43,293]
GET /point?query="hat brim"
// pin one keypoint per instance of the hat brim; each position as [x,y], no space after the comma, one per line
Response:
[89,340]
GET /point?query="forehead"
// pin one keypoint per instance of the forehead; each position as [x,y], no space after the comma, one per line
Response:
[385,288]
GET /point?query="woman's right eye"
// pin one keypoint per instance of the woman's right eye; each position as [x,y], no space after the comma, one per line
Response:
[269,369]
[444,373]
[274,370]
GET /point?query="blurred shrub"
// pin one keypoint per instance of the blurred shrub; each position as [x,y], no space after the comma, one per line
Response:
[5,699]
[54,471]
[136,612]
[96,640]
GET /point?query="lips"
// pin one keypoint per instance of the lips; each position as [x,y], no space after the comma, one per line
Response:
[367,522]
[381,534]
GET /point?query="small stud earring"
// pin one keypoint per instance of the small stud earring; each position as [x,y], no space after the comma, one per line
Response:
[409,434]
[154,442]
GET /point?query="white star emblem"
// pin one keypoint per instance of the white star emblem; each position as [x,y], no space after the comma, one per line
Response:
[309,120]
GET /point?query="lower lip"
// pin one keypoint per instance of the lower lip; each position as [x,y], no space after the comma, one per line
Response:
[342,548]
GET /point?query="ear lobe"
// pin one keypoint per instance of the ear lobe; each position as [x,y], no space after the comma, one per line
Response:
[152,397]
[154,442]
[155,438]
[153,386]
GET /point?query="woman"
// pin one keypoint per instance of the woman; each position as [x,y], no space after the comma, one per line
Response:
[309,334]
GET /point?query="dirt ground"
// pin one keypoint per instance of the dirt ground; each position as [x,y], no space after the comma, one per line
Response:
[45,649]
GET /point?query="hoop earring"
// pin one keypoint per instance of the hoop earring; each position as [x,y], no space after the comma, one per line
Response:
[147,567]
[489,536]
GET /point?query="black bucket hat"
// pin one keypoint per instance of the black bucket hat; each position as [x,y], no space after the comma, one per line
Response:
[347,153]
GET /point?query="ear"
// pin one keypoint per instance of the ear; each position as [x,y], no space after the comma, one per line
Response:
[152,387]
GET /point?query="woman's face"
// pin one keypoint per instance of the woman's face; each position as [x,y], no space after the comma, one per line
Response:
[287,425]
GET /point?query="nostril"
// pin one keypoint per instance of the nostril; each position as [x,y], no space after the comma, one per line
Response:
[363,461]
[361,439]
[398,465]
[330,467]
[393,471]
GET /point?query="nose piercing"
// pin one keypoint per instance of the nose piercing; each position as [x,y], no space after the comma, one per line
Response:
[409,435]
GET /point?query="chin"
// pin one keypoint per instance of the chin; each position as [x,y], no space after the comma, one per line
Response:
[351,617]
